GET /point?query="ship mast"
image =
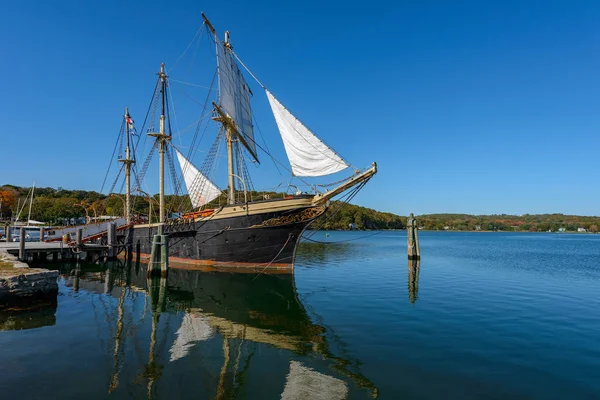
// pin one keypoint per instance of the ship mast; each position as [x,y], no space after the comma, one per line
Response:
[162,139]
[229,139]
[230,112]
[127,161]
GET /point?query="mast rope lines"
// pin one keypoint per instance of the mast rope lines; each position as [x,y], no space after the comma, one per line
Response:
[287,123]
[343,202]
[273,100]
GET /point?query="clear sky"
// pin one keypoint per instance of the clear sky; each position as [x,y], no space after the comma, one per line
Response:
[467,106]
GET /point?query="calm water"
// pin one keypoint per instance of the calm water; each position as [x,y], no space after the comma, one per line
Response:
[487,315]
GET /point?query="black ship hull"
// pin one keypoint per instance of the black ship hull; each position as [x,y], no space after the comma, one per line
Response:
[263,241]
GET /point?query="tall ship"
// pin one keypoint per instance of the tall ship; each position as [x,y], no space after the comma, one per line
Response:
[240,231]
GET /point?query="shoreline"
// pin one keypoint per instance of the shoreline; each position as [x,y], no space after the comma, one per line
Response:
[23,285]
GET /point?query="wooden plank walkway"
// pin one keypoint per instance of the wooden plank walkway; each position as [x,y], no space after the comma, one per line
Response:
[41,250]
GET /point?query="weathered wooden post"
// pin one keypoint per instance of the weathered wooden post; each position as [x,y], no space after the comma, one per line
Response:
[129,244]
[42,233]
[164,256]
[7,233]
[414,253]
[159,256]
[79,241]
[79,238]
[22,244]
[111,239]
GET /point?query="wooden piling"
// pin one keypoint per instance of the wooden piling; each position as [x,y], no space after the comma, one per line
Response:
[7,233]
[79,238]
[42,233]
[111,240]
[22,244]
[159,256]
[414,252]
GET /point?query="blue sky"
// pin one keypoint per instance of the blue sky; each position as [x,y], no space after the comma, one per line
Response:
[467,106]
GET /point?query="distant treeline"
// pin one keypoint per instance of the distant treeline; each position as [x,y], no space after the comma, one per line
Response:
[54,206]
[503,222]
[349,216]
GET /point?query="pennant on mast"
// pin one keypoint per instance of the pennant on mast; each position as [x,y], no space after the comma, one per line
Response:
[308,155]
[200,188]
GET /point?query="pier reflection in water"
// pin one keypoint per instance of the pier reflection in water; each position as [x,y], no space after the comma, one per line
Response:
[199,334]
[40,313]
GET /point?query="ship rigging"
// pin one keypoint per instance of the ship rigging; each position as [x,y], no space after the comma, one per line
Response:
[260,233]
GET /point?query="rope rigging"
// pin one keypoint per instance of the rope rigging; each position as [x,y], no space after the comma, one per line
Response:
[209,163]
[343,202]
[112,157]
[198,184]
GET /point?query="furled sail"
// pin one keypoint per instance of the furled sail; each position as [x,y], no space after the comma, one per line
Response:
[308,155]
[234,96]
[200,188]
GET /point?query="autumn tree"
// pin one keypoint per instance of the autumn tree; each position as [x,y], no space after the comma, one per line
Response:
[8,198]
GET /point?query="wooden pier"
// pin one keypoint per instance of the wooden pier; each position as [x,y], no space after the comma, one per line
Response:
[106,244]
[42,251]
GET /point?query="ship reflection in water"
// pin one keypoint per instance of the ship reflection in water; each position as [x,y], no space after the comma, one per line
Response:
[208,335]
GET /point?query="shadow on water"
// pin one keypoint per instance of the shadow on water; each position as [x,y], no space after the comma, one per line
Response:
[246,320]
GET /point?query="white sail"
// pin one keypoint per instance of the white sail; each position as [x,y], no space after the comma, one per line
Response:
[234,95]
[200,188]
[308,155]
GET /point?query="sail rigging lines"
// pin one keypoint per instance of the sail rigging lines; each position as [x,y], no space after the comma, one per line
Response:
[234,96]
[190,84]
[288,122]
[200,31]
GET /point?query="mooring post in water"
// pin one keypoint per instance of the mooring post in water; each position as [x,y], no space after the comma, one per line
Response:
[159,256]
[129,244]
[7,233]
[414,253]
[111,239]
[22,244]
[42,233]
